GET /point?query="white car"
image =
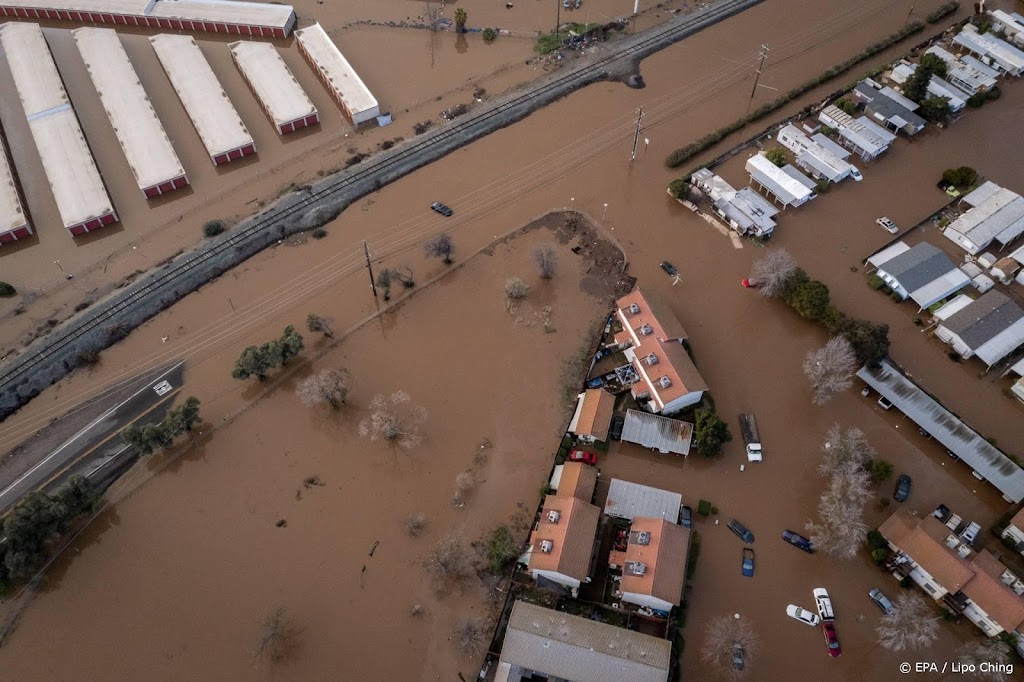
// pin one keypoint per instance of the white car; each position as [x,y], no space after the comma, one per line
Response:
[889,225]
[824,604]
[802,615]
[855,174]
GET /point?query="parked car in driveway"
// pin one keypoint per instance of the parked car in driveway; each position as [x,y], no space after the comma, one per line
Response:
[798,541]
[824,604]
[442,209]
[802,615]
[902,491]
[747,566]
[738,659]
[585,457]
[888,225]
[685,517]
[741,531]
[828,629]
[615,430]
[881,601]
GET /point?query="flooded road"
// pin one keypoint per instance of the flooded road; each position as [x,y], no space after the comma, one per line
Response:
[214,510]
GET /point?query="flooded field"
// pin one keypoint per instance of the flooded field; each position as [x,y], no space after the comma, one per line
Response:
[231,565]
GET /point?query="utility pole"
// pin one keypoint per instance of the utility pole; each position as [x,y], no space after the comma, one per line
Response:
[757,77]
[369,267]
[558,16]
[636,136]
[911,12]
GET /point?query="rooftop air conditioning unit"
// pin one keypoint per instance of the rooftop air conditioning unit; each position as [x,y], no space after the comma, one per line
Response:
[638,568]
[1008,577]
[1018,587]
[652,359]
[647,330]
[546,546]
[553,516]
[952,541]
[665,382]
[634,309]
[964,551]
[643,538]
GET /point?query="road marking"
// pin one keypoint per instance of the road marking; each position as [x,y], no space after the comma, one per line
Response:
[83,431]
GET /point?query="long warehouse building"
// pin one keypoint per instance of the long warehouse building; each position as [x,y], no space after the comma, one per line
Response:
[281,96]
[219,126]
[143,139]
[342,81]
[75,181]
[14,223]
[259,19]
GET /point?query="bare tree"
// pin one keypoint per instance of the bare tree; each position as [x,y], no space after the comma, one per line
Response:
[414,523]
[441,247]
[840,529]
[844,448]
[277,636]
[723,636]
[830,369]
[394,418]
[772,271]
[449,561]
[516,289]
[546,260]
[317,324]
[464,484]
[470,636]
[330,386]
[993,652]
[911,624]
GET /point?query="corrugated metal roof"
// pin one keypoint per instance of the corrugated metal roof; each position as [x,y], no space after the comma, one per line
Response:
[984,319]
[627,500]
[654,431]
[945,285]
[888,253]
[775,180]
[918,266]
[946,428]
[568,647]
[273,82]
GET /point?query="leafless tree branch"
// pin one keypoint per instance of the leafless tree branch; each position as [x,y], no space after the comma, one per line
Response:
[830,369]
[910,626]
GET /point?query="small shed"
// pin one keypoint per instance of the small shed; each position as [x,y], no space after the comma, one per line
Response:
[658,433]
[628,500]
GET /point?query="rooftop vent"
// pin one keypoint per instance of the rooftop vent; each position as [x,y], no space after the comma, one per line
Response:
[638,568]
[634,309]
[1008,577]
[546,546]
[964,551]
[643,538]
[952,541]
[665,382]
[1018,587]
[652,359]
[554,515]
[646,330]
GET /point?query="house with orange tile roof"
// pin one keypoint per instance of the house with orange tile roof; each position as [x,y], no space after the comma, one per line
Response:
[652,339]
[578,480]
[562,542]
[593,415]
[654,564]
[1015,530]
[974,584]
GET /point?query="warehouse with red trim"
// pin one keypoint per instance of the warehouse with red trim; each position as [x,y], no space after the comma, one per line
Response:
[274,85]
[14,224]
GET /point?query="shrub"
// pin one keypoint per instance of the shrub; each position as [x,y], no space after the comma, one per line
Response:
[884,502]
[7,290]
[704,508]
[942,11]
[88,357]
[680,188]
[878,555]
[907,582]
[870,341]
[880,470]
[711,432]
[516,289]
[876,540]
[1008,540]
[691,559]
[993,94]
[319,233]
[876,282]
[560,457]
[501,549]
[975,101]
[845,105]
[835,320]
[962,176]
[810,299]
[778,156]
[211,228]
[489,34]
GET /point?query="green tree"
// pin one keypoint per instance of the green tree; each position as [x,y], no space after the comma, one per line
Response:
[934,64]
[183,417]
[778,156]
[870,341]
[76,497]
[460,20]
[880,470]
[934,108]
[964,176]
[148,438]
[317,324]
[501,549]
[810,299]
[846,106]
[291,344]
[7,290]
[711,432]
[29,527]
[489,34]
[916,87]
[253,362]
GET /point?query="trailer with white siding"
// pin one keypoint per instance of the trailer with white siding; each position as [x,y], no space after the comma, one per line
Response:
[14,223]
[78,189]
[342,81]
[214,117]
[274,85]
[143,139]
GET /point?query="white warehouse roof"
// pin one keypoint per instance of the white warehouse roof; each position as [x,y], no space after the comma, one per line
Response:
[348,87]
[267,14]
[204,99]
[138,129]
[12,213]
[67,161]
[272,81]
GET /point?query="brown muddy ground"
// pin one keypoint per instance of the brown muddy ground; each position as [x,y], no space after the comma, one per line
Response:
[574,153]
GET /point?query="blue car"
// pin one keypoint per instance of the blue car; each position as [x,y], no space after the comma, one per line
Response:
[748,562]
[741,531]
[798,541]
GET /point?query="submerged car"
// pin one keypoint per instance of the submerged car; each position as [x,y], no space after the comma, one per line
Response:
[802,615]
[585,457]
[798,541]
[881,601]
[441,208]
[855,174]
[889,225]
[828,629]
[741,531]
[824,603]
[669,269]
[747,566]
[902,491]
[738,660]
[686,517]
[615,430]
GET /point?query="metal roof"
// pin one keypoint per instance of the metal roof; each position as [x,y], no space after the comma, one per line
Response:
[569,647]
[748,209]
[960,70]
[269,14]
[336,69]
[777,181]
[887,107]
[1007,56]
[985,321]
[888,253]
[138,129]
[939,288]
[946,428]
[654,431]
[272,81]
[67,161]
[826,143]
[861,132]
[204,99]
[628,500]
[908,104]
[1000,216]
[12,213]
[918,266]
[982,194]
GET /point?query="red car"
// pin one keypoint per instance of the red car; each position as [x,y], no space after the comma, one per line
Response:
[828,629]
[750,283]
[585,457]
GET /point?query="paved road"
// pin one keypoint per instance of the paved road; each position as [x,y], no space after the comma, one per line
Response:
[98,444]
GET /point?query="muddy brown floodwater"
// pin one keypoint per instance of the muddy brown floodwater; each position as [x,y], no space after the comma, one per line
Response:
[197,542]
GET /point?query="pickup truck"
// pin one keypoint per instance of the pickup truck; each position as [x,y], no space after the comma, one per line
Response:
[748,426]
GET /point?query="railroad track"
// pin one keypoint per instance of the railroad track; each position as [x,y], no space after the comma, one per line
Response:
[471,127]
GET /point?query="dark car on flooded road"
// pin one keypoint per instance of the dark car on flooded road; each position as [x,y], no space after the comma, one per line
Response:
[441,208]
[798,541]
[902,491]
[828,629]
[741,531]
